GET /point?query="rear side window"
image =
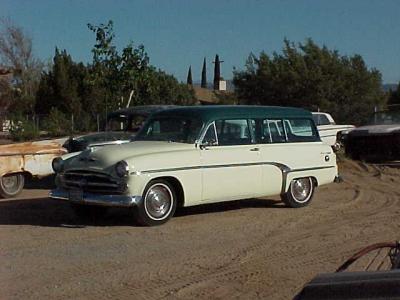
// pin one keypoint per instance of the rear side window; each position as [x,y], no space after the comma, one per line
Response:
[288,130]
[300,130]
[273,131]
[321,119]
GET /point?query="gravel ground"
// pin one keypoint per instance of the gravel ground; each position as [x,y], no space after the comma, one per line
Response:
[250,249]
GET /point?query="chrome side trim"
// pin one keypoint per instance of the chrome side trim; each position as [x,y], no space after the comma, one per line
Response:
[286,173]
[282,167]
[335,128]
[98,199]
[311,169]
[279,165]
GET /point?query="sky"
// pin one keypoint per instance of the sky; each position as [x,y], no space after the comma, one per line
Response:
[180,33]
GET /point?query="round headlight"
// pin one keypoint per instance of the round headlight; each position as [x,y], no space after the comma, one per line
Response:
[122,168]
[57,164]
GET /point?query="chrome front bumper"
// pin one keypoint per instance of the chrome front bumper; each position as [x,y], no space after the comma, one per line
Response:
[97,199]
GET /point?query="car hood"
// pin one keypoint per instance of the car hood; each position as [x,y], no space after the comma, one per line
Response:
[106,157]
[374,129]
[104,136]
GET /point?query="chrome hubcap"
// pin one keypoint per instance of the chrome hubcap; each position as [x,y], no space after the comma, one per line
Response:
[301,189]
[158,201]
[10,183]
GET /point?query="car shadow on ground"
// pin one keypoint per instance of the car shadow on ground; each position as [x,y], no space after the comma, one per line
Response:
[228,206]
[33,183]
[53,213]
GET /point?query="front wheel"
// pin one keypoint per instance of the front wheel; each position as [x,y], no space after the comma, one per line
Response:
[158,204]
[300,192]
[11,185]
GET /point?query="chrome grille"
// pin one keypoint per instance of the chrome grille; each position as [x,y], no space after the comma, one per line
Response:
[94,182]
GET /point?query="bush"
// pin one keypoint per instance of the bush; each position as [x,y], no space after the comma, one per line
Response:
[22,129]
[57,124]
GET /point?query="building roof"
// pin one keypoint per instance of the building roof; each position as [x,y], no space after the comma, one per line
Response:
[205,95]
[208,113]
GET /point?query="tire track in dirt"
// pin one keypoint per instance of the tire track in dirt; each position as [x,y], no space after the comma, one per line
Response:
[251,252]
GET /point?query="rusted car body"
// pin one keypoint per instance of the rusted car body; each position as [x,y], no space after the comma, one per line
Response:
[35,158]
[26,159]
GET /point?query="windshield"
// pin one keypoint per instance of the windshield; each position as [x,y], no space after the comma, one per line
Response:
[124,122]
[180,130]
[385,118]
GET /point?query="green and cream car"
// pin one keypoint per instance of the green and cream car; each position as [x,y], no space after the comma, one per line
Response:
[195,155]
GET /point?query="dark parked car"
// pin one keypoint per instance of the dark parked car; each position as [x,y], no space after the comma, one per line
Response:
[379,140]
[120,127]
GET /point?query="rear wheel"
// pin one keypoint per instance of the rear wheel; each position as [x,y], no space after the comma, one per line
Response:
[158,204]
[11,185]
[300,192]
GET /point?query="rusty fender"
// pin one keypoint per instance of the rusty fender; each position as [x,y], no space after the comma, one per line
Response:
[31,157]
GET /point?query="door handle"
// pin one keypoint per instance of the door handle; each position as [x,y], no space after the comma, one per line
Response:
[255,149]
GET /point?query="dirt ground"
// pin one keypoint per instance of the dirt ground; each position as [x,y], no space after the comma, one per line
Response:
[251,249]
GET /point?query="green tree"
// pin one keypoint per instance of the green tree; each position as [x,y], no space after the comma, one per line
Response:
[121,74]
[16,54]
[189,80]
[87,91]
[312,77]
[65,87]
[204,75]
[62,86]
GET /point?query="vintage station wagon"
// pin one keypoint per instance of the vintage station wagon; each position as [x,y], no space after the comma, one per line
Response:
[194,155]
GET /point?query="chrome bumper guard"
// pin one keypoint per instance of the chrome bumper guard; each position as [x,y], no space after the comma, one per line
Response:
[97,199]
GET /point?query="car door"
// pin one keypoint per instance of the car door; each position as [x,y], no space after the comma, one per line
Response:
[272,143]
[287,145]
[230,162]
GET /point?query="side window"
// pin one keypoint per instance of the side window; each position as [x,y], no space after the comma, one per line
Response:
[300,130]
[254,130]
[154,128]
[135,123]
[233,132]
[273,132]
[210,137]
[321,119]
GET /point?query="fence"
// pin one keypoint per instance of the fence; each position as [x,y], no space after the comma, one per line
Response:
[40,123]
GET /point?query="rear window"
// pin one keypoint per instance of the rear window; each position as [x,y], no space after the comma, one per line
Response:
[288,130]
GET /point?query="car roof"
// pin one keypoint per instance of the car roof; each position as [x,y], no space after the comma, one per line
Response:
[209,113]
[140,110]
